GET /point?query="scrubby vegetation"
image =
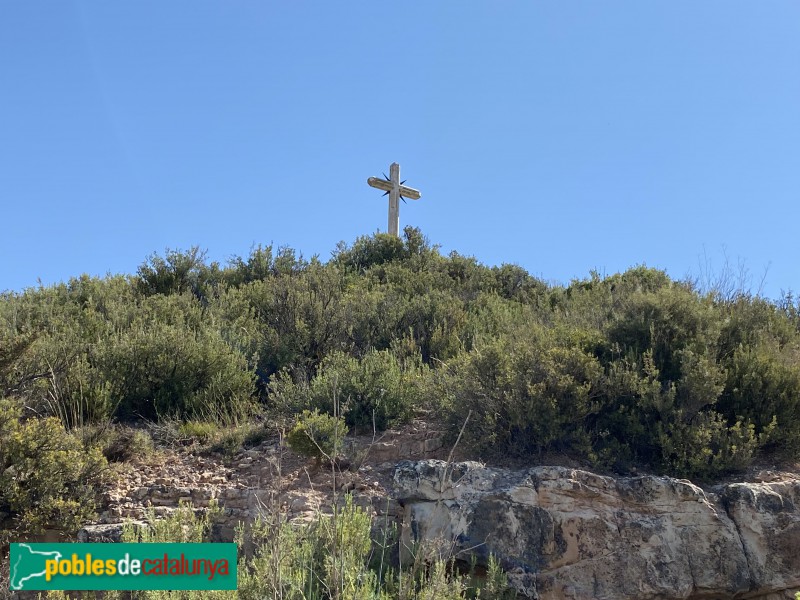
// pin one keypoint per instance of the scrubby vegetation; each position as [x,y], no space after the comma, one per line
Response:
[47,475]
[332,557]
[317,435]
[630,370]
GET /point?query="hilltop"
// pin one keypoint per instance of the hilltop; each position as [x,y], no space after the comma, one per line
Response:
[634,372]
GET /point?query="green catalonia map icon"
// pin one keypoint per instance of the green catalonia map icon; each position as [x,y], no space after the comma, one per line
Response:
[27,565]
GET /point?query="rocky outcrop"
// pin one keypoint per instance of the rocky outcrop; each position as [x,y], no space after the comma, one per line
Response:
[567,533]
[264,479]
[267,477]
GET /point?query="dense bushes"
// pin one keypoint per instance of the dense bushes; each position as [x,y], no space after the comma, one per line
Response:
[628,370]
[92,350]
[375,390]
[46,474]
[633,370]
[525,397]
[162,368]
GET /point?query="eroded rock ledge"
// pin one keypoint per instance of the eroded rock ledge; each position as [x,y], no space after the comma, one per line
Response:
[567,533]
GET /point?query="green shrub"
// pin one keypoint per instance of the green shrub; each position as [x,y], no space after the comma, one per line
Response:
[525,397]
[123,444]
[367,252]
[259,265]
[705,446]
[256,433]
[665,322]
[317,435]
[178,272]
[301,318]
[94,350]
[202,431]
[229,441]
[763,385]
[170,363]
[48,477]
[375,390]
[630,369]
[377,250]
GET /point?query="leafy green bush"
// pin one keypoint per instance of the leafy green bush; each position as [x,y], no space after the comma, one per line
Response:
[94,351]
[47,476]
[380,249]
[368,252]
[665,322]
[705,446]
[512,282]
[169,362]
[201,431]
[317,435]
[259,265]
[763,386]
[375,390]
[230,440]
[178,272]
[525,397]
[300,319]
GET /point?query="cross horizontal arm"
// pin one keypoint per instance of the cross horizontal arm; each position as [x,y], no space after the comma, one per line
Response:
[386,186]
[410,193]
[379,183]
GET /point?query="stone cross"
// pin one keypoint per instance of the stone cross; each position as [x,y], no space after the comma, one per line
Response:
[396,190]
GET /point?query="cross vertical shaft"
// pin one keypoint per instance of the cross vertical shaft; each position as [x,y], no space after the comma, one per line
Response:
[394,188]
[394,200]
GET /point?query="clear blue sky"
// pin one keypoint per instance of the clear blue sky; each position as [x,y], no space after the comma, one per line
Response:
[561,136]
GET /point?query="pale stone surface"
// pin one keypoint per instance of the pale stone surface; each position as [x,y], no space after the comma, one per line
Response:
[567,533]
[767,516]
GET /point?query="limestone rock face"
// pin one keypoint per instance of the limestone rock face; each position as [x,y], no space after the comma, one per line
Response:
[567,533]
[767,518]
